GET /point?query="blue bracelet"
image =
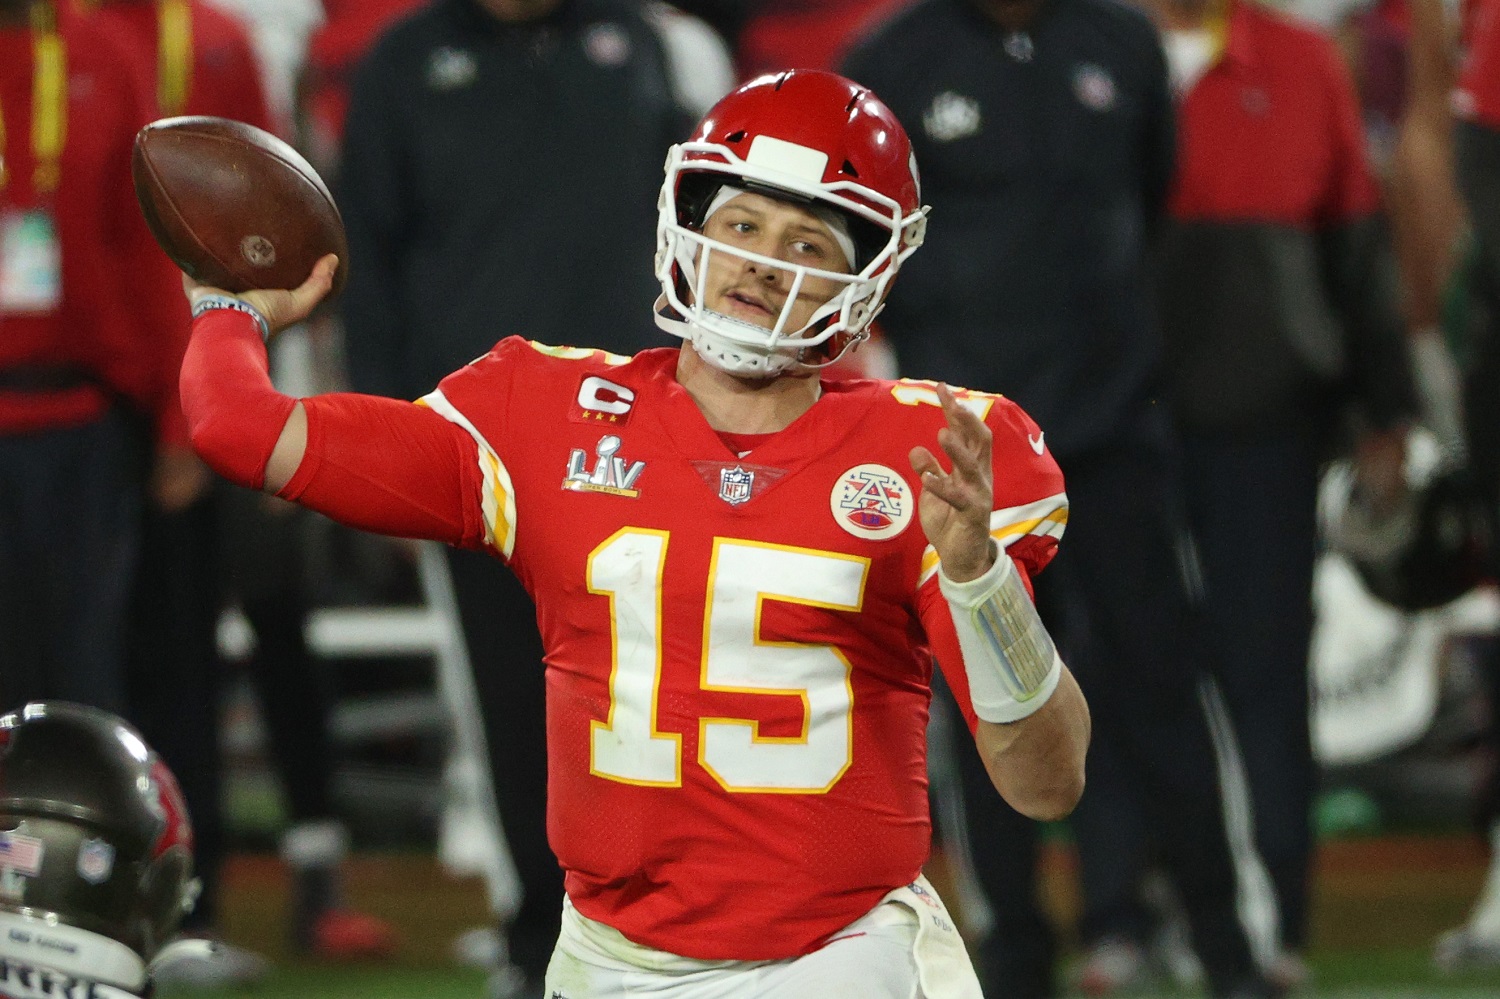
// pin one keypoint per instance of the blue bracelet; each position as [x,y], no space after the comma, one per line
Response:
[207,302]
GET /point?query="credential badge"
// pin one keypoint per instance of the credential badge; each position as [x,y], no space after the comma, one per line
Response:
[871,501]
[610,475]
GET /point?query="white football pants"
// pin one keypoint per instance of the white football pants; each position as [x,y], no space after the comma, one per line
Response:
[905,948]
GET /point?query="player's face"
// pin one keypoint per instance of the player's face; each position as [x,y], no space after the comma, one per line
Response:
[755,292]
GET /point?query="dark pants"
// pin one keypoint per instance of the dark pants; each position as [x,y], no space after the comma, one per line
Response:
[1116,600]
[505,650]
[1478,154]
[227,546]
[176,675]
[69,530]
[264,569]
[1252,504]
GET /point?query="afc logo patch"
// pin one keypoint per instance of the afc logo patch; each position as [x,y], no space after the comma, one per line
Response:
[872,501]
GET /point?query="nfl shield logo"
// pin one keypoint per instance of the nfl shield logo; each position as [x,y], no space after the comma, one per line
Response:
[96,859]
[734,485]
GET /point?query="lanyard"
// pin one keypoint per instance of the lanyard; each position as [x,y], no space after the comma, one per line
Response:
[49,101]
[174,55]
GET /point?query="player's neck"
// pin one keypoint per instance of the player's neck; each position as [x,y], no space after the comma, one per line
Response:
[745,405]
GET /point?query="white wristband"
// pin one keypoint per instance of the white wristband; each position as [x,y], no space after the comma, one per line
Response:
[205,303]
[1012,665]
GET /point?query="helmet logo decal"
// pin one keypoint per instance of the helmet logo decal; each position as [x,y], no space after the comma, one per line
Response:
[96,861]
[611,475]
[164,797]
[951,117]
[871,501]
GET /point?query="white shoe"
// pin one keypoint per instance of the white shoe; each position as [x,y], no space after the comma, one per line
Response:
[1113,965]
[480,947]
[208,965]
[1288,972]
[1463,948]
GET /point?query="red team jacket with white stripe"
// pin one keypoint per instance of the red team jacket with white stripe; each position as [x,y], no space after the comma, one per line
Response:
[738,649]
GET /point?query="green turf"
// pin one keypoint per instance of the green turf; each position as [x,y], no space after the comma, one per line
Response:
[312,982]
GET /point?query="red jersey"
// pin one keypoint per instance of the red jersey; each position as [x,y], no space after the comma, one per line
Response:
[98,325]
[738,648]
[1477,97]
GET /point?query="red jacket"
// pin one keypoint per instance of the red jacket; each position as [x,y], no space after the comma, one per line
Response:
[223,79]
[351,27]
[115,293]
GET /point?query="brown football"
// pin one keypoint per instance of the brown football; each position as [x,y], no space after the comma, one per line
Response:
[234,206]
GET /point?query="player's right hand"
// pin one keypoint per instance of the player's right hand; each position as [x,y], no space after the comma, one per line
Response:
[279,308]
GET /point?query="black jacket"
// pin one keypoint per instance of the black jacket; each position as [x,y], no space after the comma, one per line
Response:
[1046,156]
[502,179]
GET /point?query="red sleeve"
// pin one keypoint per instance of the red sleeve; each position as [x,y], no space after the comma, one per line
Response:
[377,464]
[391,467]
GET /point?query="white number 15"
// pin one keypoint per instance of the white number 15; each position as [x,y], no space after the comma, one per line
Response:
[742,575]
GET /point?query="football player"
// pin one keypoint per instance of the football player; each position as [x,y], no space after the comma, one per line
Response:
[742,570]
[95,855]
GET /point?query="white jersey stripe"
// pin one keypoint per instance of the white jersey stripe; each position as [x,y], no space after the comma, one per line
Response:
[498,499]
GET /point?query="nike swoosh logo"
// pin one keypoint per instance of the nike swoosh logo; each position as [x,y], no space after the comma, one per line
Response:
[1038,443]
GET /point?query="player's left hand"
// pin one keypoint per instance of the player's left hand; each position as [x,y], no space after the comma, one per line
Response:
[955,505]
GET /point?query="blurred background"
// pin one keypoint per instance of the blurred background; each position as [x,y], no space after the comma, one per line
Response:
[324,680]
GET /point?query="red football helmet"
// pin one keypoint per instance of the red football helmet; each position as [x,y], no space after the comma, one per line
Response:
[803,135]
